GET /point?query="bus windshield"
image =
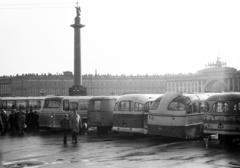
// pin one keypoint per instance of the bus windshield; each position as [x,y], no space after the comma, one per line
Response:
[102,105]
[52,103]
[179,104]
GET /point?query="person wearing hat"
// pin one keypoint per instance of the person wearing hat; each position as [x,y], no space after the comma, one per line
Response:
[65,126]
[76,124]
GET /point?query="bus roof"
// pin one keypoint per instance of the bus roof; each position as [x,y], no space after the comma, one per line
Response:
[23,98]
[226,96]
[104,97]
[140,98]
[167,98]
[70,97]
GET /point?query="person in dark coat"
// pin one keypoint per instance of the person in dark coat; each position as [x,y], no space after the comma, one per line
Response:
[4,117]
[27,121]
[12,122]
[1,125]
[65,127]
[35,121]
[21,117]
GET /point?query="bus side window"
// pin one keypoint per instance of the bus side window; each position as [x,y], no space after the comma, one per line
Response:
[221,107]
[116,106]
[195,108]
[131,106]
[124,106]
[4,104]
[96,105]
[73,106]
[11,104]
[138,107]
[236,107]
[147,106]
[204,107]
[66,105]
[225,107]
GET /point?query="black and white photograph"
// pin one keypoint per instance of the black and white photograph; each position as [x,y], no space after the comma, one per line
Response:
[119,84]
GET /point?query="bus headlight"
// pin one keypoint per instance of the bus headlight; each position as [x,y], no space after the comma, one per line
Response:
[205,126]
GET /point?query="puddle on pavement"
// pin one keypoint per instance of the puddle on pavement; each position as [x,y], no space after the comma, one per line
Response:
[22,164]
[233,164]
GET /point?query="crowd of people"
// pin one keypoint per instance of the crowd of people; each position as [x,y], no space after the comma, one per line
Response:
[22,120]
[18,121]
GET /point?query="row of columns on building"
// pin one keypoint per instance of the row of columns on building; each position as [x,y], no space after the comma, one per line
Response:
[229,84]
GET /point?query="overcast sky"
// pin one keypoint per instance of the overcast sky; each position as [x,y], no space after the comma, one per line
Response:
[120,36]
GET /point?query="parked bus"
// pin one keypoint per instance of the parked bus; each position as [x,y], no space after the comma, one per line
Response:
[130,113]
[222,116]
[56,107]
[177,115]
[25,103]
[100,112]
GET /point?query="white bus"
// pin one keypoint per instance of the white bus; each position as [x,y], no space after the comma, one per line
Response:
[177,115]
[25,103]
[222,116]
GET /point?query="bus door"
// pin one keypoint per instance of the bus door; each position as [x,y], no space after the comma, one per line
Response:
[123,115]
[145,115]
[83,107]
[194,115]
[177,112]
[140,117]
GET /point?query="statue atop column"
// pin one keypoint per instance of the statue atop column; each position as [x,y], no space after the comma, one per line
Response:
[78,10]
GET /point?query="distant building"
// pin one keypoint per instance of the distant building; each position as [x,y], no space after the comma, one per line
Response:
[216,77]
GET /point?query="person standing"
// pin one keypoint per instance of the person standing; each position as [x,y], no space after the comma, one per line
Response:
[1,125]
[12,122]
[35,121]
[21,121]
[76,124]
[65,126]
[27,121]
[4,117]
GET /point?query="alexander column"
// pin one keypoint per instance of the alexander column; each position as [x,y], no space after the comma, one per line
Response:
[77,88]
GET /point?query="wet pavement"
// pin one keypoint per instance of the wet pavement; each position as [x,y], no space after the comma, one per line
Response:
[46,150]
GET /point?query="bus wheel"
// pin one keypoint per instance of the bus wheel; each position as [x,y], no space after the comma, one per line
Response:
[226,140]
[102,130]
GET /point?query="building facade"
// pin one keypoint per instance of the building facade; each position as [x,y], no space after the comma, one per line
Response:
[216,77]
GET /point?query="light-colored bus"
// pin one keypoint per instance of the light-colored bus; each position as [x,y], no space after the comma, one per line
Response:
[130,113]
[177,115]
[56,107]
[100,112]
[26,103]
[222,116]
